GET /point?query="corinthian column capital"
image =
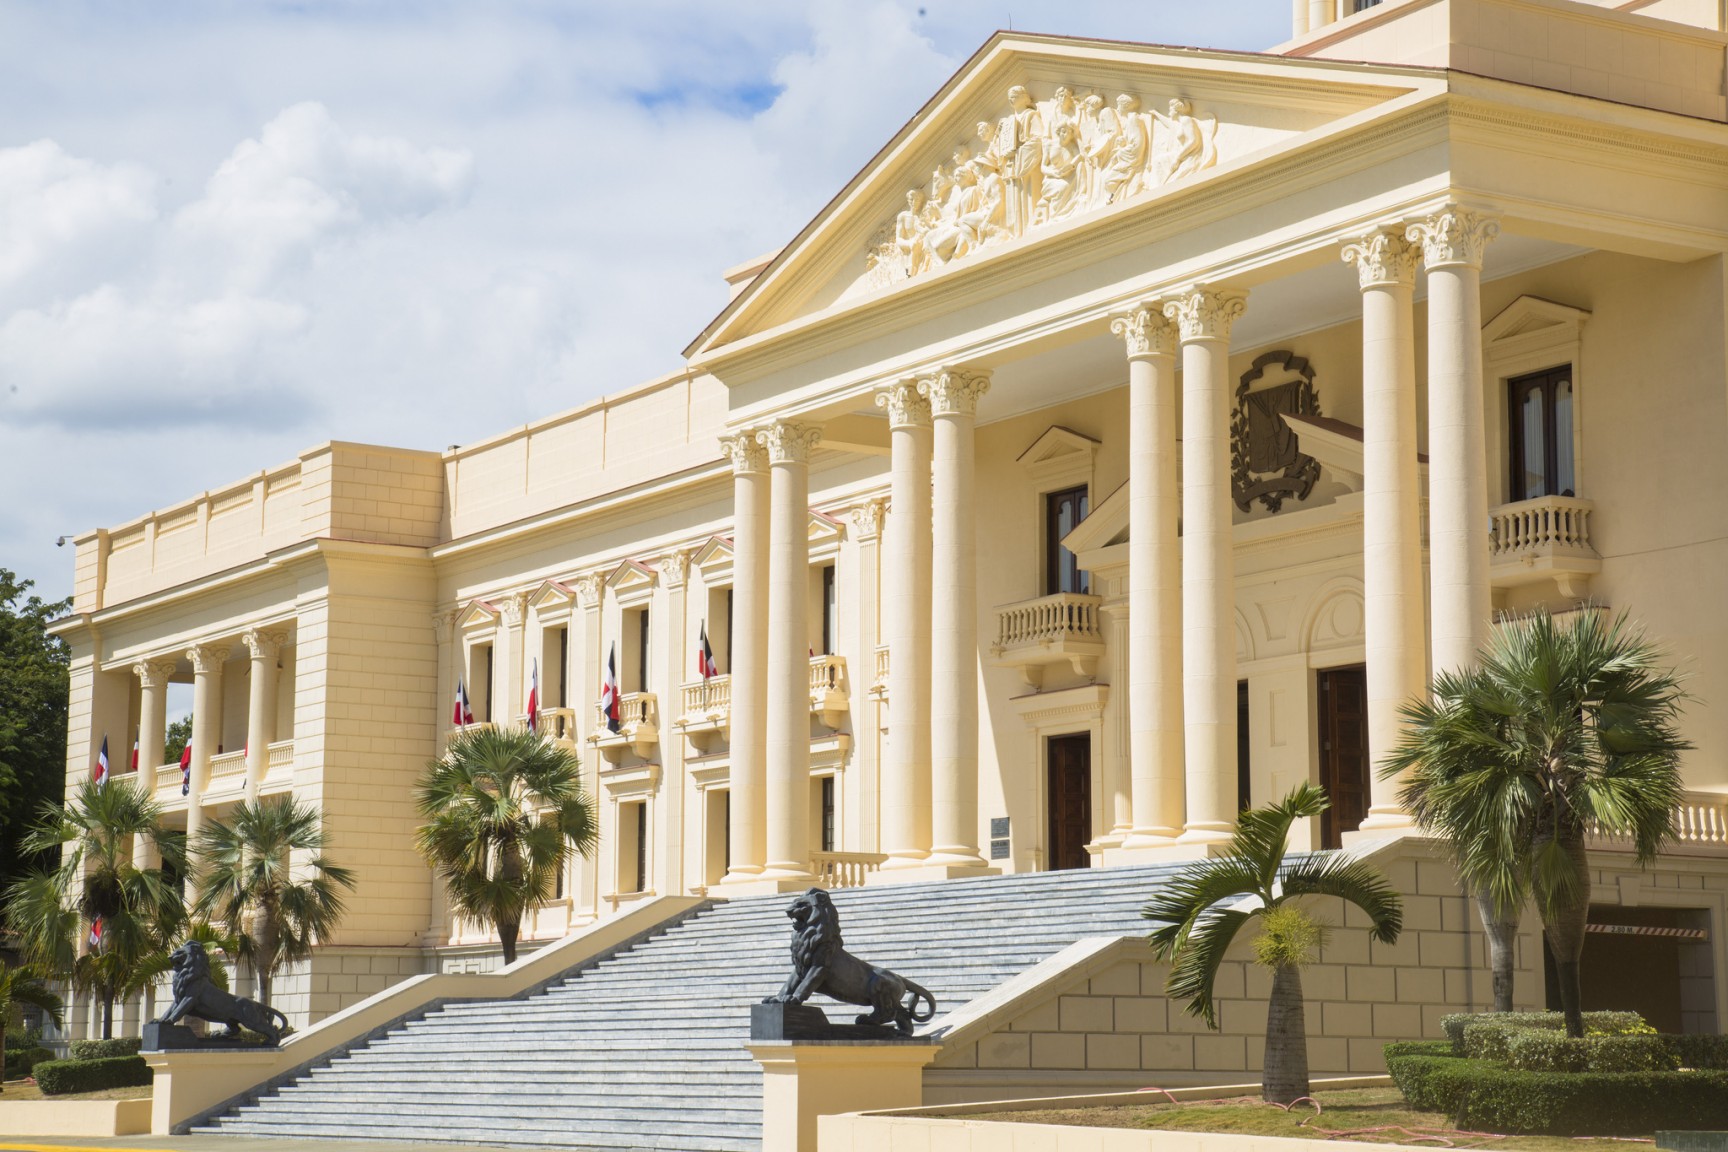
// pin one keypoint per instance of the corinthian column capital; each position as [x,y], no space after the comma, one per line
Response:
[153,674]
[588,587]
[207,658]
[789,443]
[262,645]
[954,391]
[1206,313]
[746,455]
[906,407]
[1453,235]
[1383,258]
[1145,331]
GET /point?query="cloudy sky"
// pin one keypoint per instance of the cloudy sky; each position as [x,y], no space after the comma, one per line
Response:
[230,230]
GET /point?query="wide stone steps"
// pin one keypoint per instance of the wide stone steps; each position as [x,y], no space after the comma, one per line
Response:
[645,1049]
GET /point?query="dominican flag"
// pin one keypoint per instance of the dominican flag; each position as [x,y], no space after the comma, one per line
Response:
[705,655]
[134,753]
[186,766]
[96,934]
[609,691]
[461,714]
[534,697]
[101,772]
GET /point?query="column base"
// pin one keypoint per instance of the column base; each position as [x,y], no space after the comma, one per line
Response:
[762,886]
[1210,832]
[745,874]
[1165,852]
[929,873]
[1369,832]
[899,860]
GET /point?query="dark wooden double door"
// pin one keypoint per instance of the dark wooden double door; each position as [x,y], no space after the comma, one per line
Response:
[1344,757]
[1068,799]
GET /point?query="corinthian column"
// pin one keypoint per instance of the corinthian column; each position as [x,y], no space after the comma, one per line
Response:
[1452,242]
[153,676]
[1157,791]
[1203,319]
[906,596]
[260,706]
[953,397]
[1391,512]
[788,742]
[207,662]
[749,670]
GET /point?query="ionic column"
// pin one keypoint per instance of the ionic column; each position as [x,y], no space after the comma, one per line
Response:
[906,599]
[1203,318]
[1452,242]
[153,677]
[749,671]
[260,706]
[1391,508]
[207,662]
[788,737]
[1157,786]
[953,397]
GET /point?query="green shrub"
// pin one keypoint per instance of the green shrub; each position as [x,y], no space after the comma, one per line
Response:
[1547,1051]
[105,1049]
[1417,1048]
[59,1077]
[1699,1051]
[1595,1024]
[19,1061]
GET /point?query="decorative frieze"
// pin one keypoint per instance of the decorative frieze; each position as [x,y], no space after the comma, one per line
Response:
[1453,236]
[907,407]
[745,452]
[789,443]
[1145,332]
[954,391]
[1206,313]
[1383,257]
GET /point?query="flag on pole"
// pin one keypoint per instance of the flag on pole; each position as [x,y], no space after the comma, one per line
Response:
[461,714]
[534,696]
[186,767]
[134,753]
[609,691]
[705,655]
[101,772]
[96,934]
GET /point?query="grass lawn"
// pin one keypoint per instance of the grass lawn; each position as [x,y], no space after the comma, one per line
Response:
[1347,1114]
[20,1090]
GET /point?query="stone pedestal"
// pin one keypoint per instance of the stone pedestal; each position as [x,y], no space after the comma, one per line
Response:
[801,1081]
[772,1020]
[159,1037]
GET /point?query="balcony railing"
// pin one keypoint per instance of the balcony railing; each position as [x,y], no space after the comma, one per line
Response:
[828,688]
[879,686]
[706,710]
[844,869]
[168,783]
[556,724]
[1056,629]
[227,770]
[281,756]
[1700,825]
[638,726]
[1545,538]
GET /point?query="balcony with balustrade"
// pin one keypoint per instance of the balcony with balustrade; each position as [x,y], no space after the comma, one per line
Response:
[1700,828]
[1062,628]
[1541,539]
[638,727]
[879,685]
[705,706]
[844,869]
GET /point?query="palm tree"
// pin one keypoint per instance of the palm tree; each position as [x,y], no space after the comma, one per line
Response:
[128,914]
[23,985]
[1561,729]
[1203,907]
[504,809]
[263,873]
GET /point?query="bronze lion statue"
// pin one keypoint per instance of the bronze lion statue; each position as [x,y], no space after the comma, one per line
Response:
[196,994]
[820,963]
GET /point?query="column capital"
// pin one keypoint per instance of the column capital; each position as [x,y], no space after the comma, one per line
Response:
[513,608]
[1206,313]
[153,673]
[443,619]
[906,407]
[1384,257]
[1145,331]
[207,658]
[674,568]
[954,391]
[263,645]
[588,588]
[1453,236]
[746,454]
[867,519]
[788,442]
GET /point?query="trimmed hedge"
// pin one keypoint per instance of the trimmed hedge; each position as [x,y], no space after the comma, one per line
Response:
[1545,1051]
[1700,1051]
[59,1077]
[19,1061]
[1595,1024]
[106,1049]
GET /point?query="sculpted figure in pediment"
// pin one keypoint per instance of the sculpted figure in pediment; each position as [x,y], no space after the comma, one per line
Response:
[1186,145]
[1129,146]
[1020,145]
[1059,196]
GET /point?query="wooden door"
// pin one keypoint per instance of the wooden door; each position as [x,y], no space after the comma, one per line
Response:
[1070,800]
[1344,757]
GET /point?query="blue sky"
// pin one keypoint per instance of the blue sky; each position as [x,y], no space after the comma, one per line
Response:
[229,231]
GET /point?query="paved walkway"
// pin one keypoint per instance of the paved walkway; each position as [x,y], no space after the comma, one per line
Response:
[224,1144]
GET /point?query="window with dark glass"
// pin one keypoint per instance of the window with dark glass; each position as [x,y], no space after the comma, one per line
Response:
[1063,512]
[1540,434]
[728,635]
[1361,5]
[563,669]
[827,813]
[641,847]
[642,650]
[830,615]
[488,715]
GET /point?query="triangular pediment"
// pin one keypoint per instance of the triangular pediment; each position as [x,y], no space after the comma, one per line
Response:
[630,576]
[1058,443]
[1106,525]
[552,596]
[714,560]
[477,614]
[1530,315]
[1033,137]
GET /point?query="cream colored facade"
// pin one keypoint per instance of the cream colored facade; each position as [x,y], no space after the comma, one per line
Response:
[848,489]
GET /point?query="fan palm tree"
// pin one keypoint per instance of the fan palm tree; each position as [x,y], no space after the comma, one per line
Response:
[504,809]
[1562,728]
[1204,906]
[128,914]
[263,873]
[23,985]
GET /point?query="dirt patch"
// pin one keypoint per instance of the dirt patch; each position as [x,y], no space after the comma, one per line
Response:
[26,1090]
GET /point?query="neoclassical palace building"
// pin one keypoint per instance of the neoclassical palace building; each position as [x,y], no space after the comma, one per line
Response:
[1120,447]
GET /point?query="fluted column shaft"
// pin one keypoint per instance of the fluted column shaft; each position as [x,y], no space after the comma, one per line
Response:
[953,397]
[749,670]
[207,665]
[1391,509]
[1452,242]
[1156,772]
[906,819]
[788,743]
[1203,321]
[260,707]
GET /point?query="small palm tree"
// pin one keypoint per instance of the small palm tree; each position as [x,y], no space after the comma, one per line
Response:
[1560,729]
[504,808]
[129,914]
[1203,907]
[263,873]
[23,985]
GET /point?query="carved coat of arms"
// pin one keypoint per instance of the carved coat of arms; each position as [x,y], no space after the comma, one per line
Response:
[1266,463]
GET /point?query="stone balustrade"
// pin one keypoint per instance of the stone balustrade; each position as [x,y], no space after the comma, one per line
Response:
[1700,825]
[167,782]
[638,726]
[844,869]
[828,688]
[879,686]
[227,770]
[1055,629]
[1545,538]
[709,699]
[557,724]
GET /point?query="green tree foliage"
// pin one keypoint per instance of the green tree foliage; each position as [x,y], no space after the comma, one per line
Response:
[33,691]
[504,808]
[263,873]
[1201,909]
[179,735]
[23,985]
[1560,728]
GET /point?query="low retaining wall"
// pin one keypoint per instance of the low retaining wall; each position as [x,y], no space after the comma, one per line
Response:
[75,1117]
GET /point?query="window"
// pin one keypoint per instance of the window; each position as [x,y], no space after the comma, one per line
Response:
[830,614]
[642,847]
[828,811]
[1361,5]
[1063,512]
[728,635]
[563,696]
[1540,434]
[642,651]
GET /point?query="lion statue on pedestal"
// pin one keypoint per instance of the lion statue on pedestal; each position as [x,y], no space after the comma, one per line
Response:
[196,994]
[821,964]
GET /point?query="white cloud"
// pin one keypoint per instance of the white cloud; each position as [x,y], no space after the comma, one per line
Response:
[63,218]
